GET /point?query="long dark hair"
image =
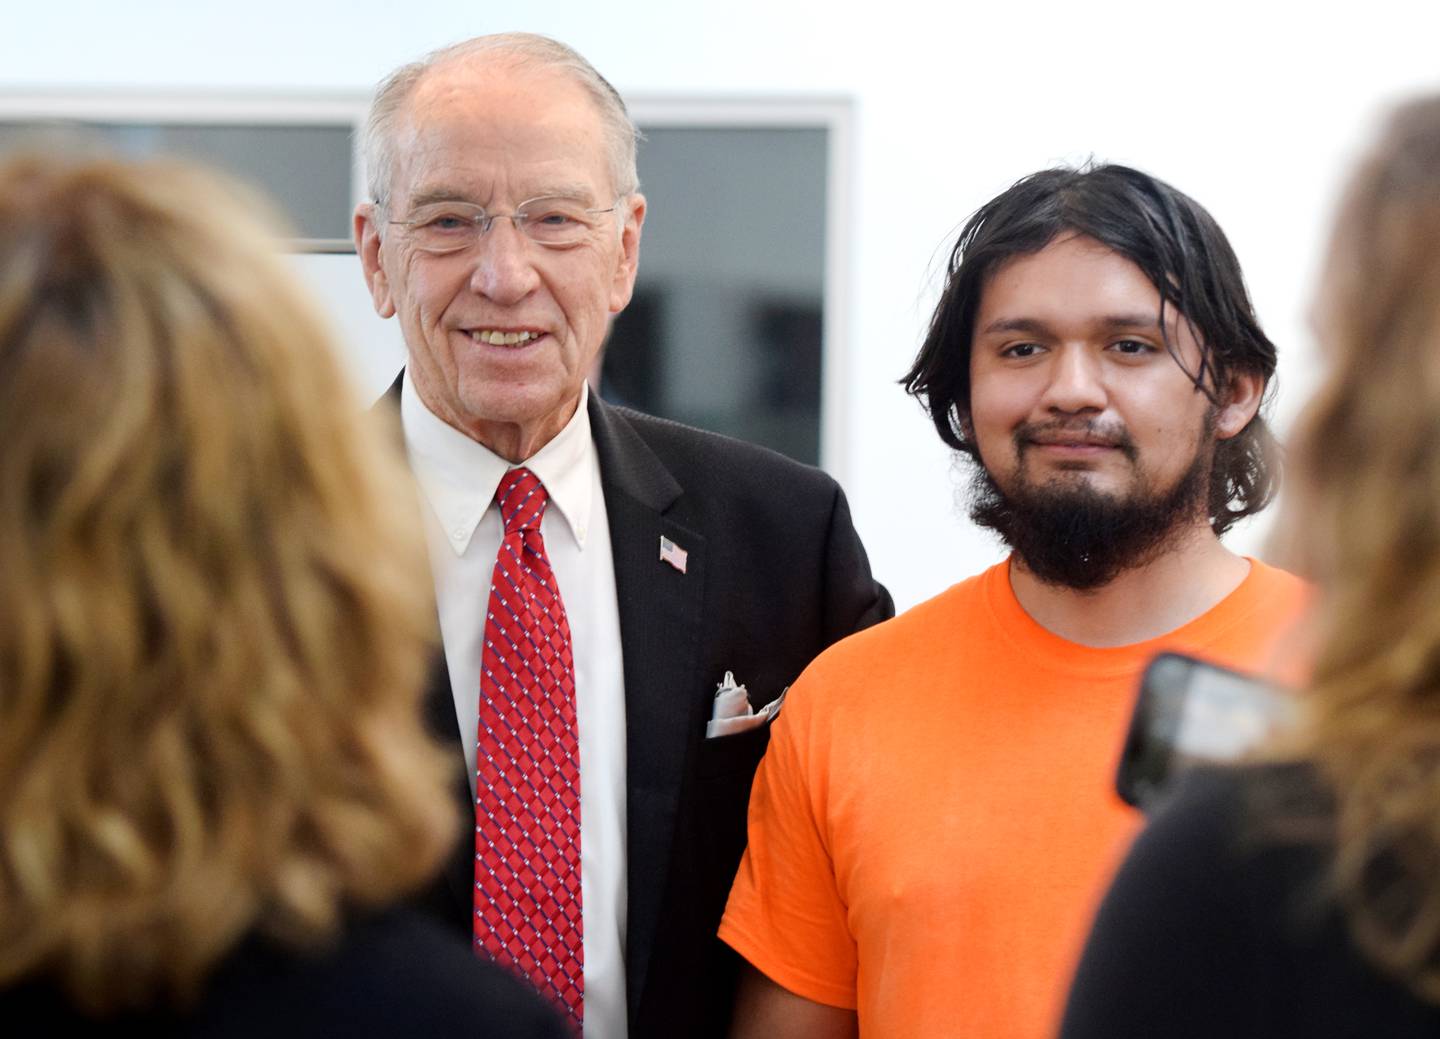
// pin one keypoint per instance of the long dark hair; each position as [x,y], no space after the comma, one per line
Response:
[1178,246]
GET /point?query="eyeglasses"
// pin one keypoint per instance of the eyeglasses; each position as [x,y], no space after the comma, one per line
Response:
[447,227]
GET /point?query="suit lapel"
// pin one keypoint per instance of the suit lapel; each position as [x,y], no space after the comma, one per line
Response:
[459,869]
[660,627]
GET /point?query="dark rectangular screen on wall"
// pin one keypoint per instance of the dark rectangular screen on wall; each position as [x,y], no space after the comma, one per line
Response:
[725,328]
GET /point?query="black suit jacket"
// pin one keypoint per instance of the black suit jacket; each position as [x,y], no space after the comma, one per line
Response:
[775,573]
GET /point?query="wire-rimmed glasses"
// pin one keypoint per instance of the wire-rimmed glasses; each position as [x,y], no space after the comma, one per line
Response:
[447,227]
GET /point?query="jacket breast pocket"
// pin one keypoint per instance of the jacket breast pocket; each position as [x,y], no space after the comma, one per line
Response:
[739,752]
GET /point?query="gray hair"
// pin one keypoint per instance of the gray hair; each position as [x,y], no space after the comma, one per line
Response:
[377,137]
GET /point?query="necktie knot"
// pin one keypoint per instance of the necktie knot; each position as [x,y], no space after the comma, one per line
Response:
[522,499]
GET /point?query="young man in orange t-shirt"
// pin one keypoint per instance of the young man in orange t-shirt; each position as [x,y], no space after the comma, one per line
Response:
[934,820]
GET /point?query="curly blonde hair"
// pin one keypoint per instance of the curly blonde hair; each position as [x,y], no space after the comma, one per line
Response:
[215,614]
[1364,512]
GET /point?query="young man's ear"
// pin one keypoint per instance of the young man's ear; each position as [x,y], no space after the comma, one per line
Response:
[367,247]
[964,426]
[1240,402]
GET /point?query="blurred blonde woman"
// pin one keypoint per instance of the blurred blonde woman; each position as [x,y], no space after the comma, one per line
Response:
[1302,897]
[214,622]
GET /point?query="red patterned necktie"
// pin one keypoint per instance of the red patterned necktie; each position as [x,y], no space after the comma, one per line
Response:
[527,763]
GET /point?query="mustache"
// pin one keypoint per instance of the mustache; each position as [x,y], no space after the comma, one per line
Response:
[1086,431]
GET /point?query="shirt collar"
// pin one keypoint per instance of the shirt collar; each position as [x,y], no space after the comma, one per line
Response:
[458,476]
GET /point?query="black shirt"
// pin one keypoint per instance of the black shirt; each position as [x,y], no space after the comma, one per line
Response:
[394,974]
[1222,922]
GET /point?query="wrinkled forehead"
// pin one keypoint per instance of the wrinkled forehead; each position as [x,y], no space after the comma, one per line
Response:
[501,126]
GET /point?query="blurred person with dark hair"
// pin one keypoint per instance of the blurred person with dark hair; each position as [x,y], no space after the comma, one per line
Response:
[935,818]
[1300,895]
[214,624]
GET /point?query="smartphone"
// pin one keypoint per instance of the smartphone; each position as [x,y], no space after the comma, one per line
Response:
[1191,712]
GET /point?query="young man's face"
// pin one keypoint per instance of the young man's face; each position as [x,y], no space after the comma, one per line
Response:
[1096,442]
[1071,384]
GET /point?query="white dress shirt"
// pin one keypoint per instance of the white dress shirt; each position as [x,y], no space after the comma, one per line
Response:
[458,478]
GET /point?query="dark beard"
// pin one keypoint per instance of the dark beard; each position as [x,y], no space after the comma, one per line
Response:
[1080,538]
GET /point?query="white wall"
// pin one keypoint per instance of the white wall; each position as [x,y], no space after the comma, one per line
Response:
[1255,109]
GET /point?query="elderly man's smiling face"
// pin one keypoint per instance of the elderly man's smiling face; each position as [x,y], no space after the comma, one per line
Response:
[496,132]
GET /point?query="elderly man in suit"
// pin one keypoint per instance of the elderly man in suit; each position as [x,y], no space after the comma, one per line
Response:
[627,563]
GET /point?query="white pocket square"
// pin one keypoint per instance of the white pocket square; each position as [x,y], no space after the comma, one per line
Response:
[732,712]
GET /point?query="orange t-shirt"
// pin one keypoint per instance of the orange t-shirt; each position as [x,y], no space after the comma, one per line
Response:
[935,819]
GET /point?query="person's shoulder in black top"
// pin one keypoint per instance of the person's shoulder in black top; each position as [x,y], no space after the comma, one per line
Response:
[391,974]
[1221,922]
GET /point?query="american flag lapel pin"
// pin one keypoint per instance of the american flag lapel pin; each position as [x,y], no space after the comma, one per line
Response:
[673,554]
